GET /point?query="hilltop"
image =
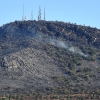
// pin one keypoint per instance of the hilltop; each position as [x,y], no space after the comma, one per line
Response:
[49,57]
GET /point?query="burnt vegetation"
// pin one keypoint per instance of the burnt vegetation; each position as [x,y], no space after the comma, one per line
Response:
[76,76]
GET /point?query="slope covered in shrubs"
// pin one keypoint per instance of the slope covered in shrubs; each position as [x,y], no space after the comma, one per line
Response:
[49,57]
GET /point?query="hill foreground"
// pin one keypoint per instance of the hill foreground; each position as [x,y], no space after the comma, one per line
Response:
[46,58]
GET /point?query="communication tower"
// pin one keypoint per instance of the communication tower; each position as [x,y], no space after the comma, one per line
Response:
[23,17]
[32,15]
[44,14]
[23,14]
[39,16]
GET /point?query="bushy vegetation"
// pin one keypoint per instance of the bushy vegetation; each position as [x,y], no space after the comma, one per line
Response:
[80,81]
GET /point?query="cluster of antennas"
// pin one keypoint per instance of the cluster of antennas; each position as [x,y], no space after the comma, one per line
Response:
[23,17]
[39,15]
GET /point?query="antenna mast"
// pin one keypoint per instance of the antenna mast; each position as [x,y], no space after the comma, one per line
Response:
[23,14]
[32,15]
[39,16]
[25,18]
[44,14]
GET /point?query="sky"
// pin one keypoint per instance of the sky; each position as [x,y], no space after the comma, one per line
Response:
[81,12]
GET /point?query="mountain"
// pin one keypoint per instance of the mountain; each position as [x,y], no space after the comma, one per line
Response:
[49,57]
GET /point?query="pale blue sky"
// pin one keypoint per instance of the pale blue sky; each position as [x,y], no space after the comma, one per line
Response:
[75,11]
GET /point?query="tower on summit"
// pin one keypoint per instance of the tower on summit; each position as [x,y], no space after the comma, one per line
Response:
[39,16]
[23,14]
[23,17]
[32,15]
[44,14]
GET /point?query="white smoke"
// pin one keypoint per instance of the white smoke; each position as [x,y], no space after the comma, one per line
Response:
[58,43]
[67,46]
[76,50]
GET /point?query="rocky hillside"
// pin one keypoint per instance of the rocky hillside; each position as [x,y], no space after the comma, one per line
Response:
[49,55]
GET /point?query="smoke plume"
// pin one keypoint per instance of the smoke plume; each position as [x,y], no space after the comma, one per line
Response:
[58,43]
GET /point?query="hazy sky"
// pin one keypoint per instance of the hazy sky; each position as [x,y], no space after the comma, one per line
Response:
[75,11]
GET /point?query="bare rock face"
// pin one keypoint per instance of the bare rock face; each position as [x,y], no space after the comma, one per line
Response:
[29,67]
